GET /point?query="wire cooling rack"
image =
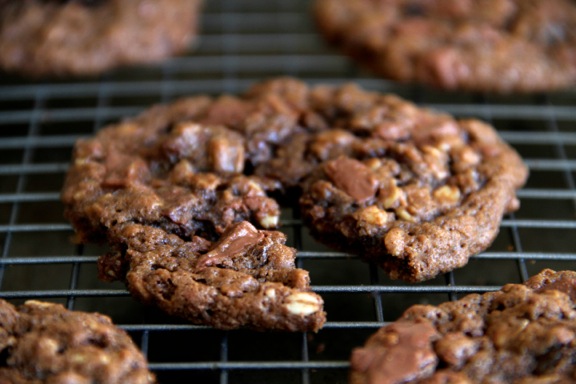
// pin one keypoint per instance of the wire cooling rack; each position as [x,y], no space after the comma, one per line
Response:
[243,42]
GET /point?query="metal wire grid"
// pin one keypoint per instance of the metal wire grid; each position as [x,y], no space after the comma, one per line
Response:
[243,42]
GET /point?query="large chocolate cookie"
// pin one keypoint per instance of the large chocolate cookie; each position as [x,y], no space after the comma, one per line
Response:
[415,191]
[524,333]
[86,37]
[488,45]
[171,190]
[45,343]
[183,193]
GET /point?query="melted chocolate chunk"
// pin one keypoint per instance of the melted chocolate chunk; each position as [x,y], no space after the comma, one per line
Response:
[235,244]
[352,177]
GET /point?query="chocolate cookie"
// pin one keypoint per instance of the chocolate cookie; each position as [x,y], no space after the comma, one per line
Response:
[86,37]
[172,192]
[415,191]
[185,194]
[45,343]
[524,333]
[492,45]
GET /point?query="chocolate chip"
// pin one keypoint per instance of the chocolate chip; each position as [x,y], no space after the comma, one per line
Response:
[241,237]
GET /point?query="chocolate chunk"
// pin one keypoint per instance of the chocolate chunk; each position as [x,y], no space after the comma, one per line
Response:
[233,244]
[389,357]
[208,148]
[352,177]
[225,155]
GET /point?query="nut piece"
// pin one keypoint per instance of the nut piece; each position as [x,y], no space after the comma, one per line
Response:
[207,181]
[447,194]
[269,221]
[372,215]
[78,358]
[373,163]
[41,304]
[391,195]
[48,346]
[464,158]
[271,293]
[405,215]
[437,161]
[303,303]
